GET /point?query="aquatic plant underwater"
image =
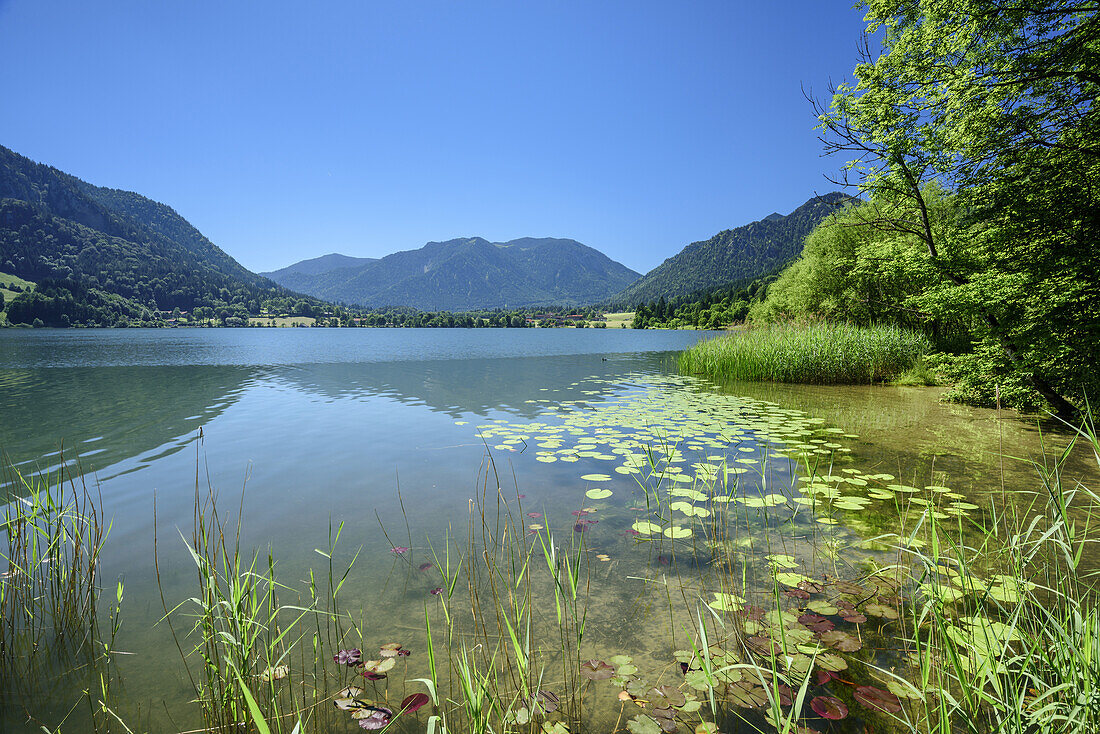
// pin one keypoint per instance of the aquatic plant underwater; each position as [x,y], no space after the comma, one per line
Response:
[773,586]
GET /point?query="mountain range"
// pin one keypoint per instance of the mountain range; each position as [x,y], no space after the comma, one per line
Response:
[466,273]
[104,255]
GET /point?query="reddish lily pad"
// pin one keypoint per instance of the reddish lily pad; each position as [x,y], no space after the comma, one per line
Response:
[596,670]
[829,707]
[548,701]
[815,622]
[415,702]
[877,699]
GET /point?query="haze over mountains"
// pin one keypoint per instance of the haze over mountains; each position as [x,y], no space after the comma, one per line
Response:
[468,273]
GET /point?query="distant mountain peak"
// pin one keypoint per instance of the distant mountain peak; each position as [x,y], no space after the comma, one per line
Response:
[467,273]
[774,216]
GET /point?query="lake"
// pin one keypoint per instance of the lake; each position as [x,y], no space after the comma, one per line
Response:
[400,436]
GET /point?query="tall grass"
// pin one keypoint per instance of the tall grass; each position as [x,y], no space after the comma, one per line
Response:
[817,352]
[1024,656]
[50,638]
[241,642]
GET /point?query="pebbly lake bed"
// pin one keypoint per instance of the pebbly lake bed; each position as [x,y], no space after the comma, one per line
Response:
[566,513]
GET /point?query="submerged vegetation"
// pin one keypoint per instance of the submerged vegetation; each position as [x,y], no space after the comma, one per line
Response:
[816,353]
[772,585]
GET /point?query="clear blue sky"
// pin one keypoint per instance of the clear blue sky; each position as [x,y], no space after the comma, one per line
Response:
[289,130]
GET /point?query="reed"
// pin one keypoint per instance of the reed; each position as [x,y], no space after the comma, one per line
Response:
[1020,653]
[241,641]
[52,535]
[816,352]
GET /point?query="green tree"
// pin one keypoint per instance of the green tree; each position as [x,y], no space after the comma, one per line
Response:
[997,102]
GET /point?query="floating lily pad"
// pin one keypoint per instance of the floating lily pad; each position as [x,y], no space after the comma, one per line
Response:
[644,527]
[783,561]
[747,695]
[596,477]
[415,702]
[790,578]
[831,662]
[664,696]
[821,606]
[275,672]
[598,494]
[877,699]
[379,666]
[547,701]
[678,532]
[642,724]
[829,707]
[904,689]
[840,640]
[880,610]
[596,670]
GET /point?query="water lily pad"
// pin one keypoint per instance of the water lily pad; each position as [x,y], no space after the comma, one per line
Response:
[816,623]
[379,666]
[642,724]
[823,607]
[877,699]
[596,670]
[596,477]
[547,701]
[415,702]
[829,707]
[880,610]
[726,602]
[678,532]
[904,689]
[665,696]
[783,561]
[840,640]
[598,494]
[790,578]
[644,527]
[831,662]
[747,695]
[350,699]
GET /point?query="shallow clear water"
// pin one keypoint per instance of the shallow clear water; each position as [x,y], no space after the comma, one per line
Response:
[392,432]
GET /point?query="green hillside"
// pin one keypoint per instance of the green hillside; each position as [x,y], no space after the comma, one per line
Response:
[104,256]
[732,256]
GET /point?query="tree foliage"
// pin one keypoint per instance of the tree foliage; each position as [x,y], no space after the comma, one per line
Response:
[995,102]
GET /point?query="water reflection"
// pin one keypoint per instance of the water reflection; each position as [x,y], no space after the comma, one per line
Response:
[104,415]
[520,386]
